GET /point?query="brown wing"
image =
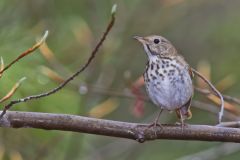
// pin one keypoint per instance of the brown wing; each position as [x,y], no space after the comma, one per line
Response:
[191,72]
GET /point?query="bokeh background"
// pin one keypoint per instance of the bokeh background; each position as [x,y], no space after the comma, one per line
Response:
[205,32]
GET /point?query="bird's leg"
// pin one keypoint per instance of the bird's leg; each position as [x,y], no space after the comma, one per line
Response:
[179,112]
[155,123]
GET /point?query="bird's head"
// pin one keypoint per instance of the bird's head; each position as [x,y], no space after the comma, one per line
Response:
[156,45]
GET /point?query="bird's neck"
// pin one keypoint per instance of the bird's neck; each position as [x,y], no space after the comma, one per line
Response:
[159,59]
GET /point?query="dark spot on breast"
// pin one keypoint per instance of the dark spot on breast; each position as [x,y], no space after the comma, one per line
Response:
[179,71]
[164,71]
[147,66]
[151,66]
[182,79]
[153,77]
[146,77]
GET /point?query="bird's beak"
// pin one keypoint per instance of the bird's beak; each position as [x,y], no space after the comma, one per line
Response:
[140,39]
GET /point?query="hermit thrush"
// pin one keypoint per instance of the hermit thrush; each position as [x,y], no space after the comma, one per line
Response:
[168,77]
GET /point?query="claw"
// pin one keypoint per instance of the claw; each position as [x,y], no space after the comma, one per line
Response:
[155,124]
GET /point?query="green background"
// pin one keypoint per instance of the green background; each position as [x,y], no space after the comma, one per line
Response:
[200,30]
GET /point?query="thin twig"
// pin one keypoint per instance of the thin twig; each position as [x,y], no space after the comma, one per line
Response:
[27,52]
[214,110]
[225,97]
[93,54]
[135,131]
[214,90]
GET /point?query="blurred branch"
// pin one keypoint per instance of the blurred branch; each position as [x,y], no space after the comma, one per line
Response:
[139,132]
[229,115]
[216,152]
[213,109]
[63,84]
[225,97]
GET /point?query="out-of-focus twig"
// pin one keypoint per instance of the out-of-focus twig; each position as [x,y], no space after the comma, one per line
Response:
[214,110]
[93,54]
[13,90]
[93,89]
[225,97]
[52,60]
[52,74]
[127,94]
[229,102]
[27,52]
[85,88]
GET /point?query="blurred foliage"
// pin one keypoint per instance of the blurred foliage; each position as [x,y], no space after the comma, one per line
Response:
[200,30]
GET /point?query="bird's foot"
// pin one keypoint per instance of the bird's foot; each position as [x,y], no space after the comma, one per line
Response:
[182,124]
[155,125]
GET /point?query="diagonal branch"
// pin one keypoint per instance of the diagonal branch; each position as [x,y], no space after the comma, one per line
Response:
[63,84]
[134,131]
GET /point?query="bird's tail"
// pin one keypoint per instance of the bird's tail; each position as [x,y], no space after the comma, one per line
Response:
[184,112]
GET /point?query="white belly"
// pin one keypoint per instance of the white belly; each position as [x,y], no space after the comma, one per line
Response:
[170,92]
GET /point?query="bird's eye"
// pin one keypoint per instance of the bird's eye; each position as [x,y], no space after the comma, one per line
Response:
[156,41]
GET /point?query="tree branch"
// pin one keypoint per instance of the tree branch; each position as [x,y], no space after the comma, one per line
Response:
[134,131]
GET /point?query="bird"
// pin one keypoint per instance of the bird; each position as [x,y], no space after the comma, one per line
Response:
[167,77]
